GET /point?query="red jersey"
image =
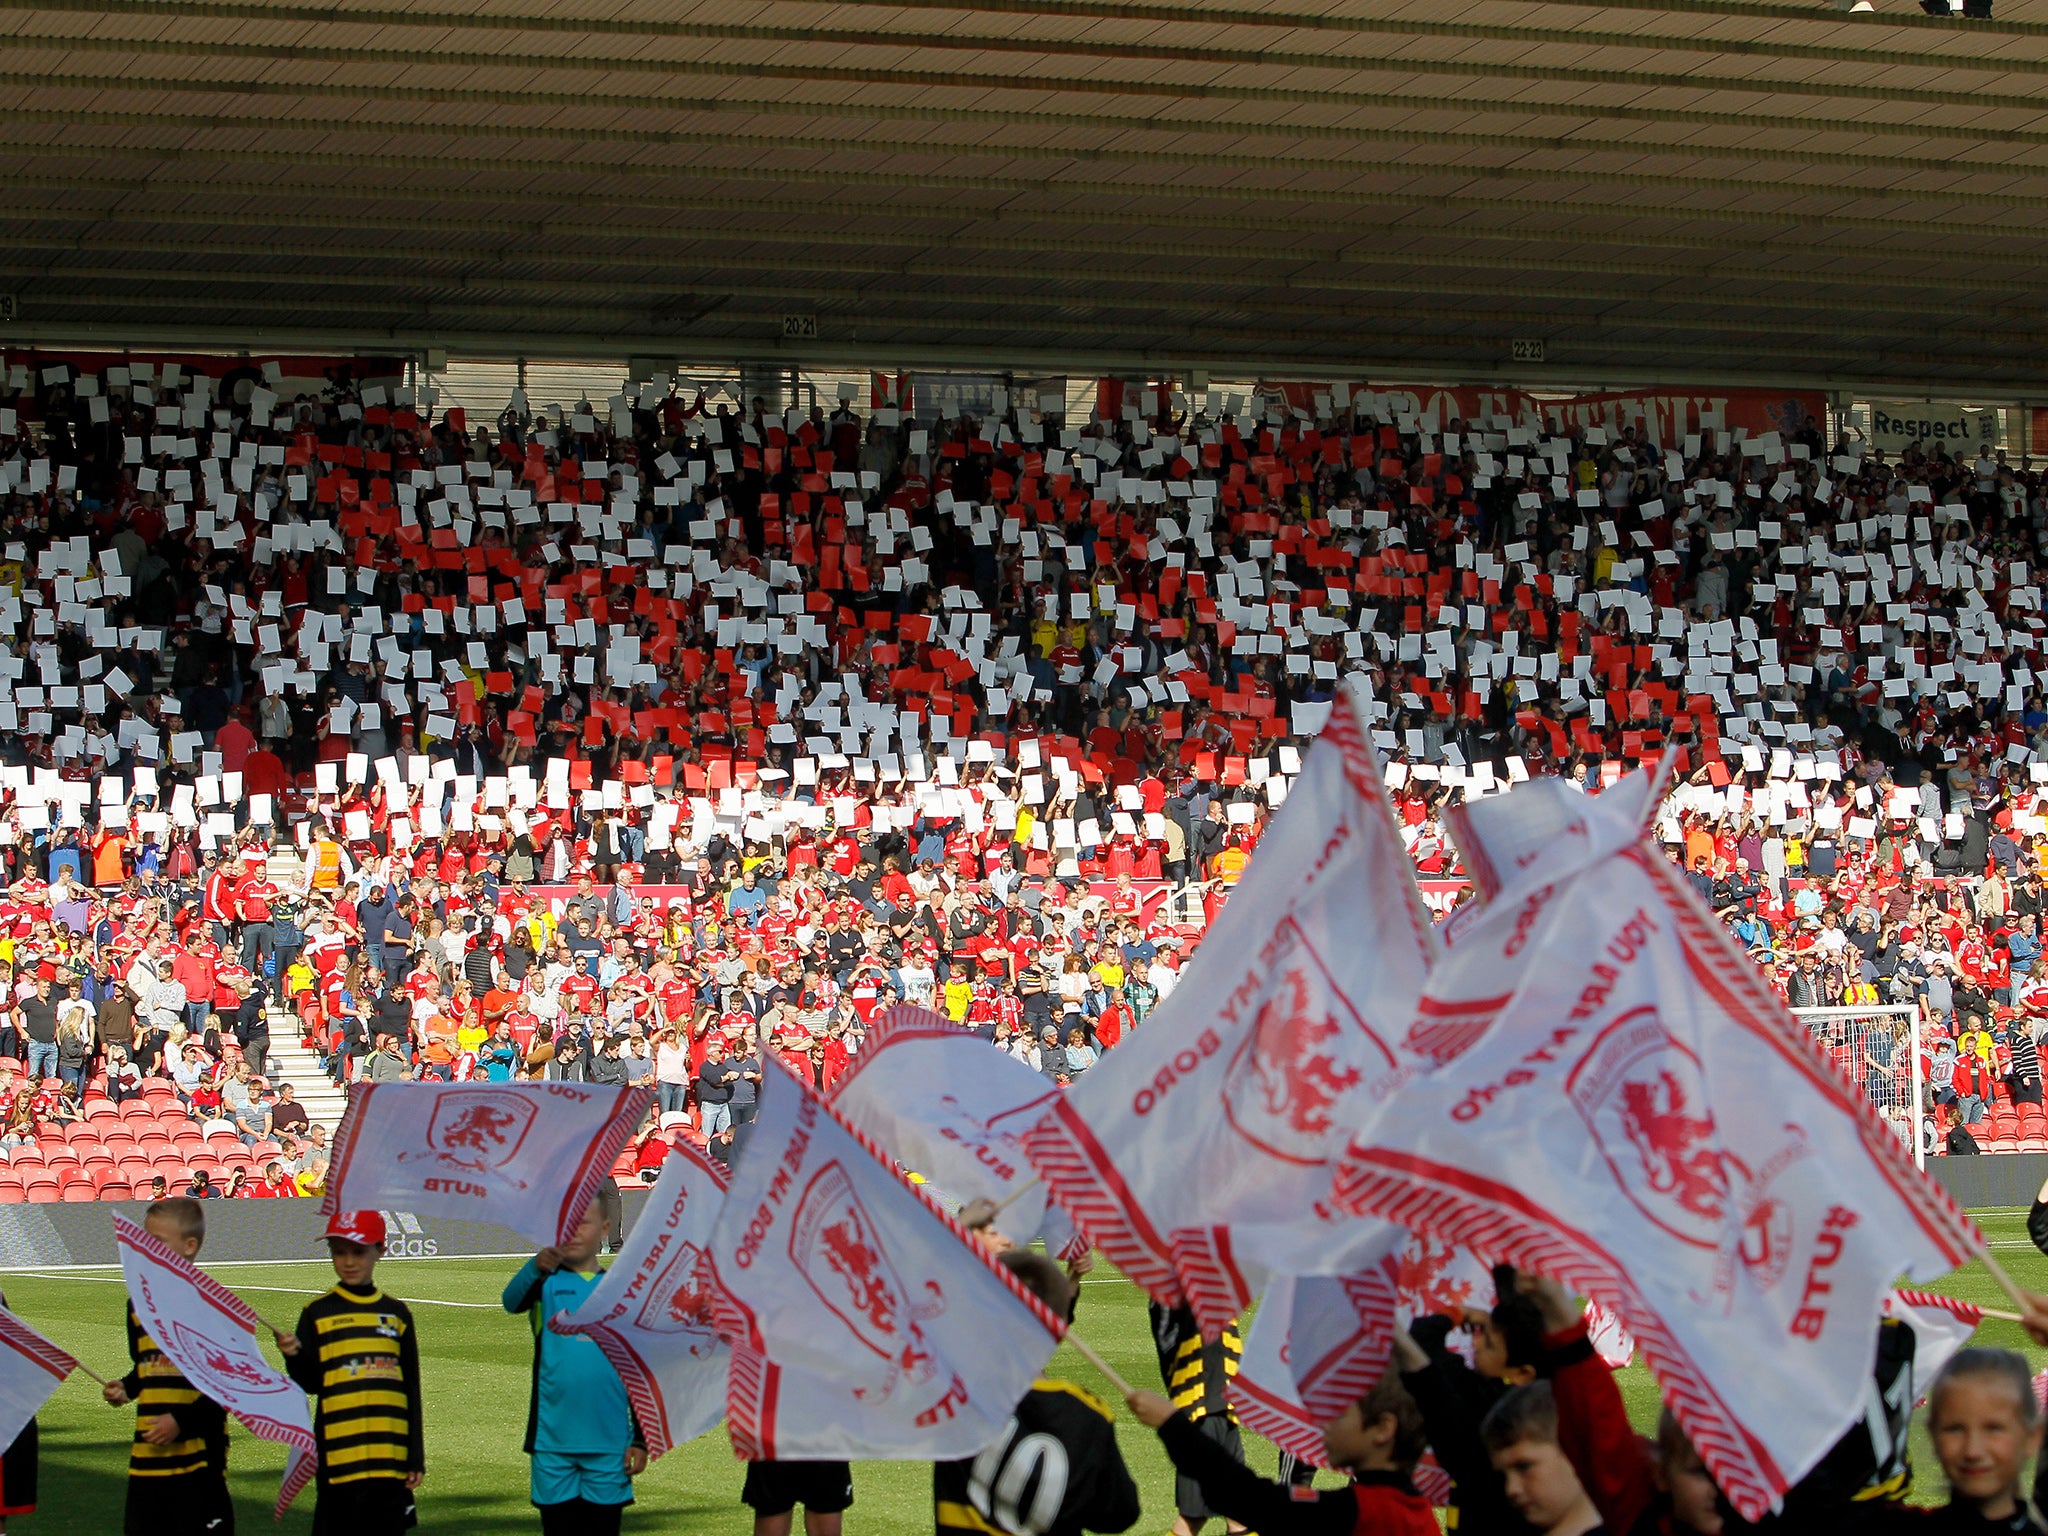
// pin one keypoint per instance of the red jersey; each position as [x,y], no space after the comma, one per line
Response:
[254,896]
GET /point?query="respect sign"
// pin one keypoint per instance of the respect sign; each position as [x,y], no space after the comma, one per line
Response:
[1894,427]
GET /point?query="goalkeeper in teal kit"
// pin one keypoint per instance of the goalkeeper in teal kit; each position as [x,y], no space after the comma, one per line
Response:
[580,1430]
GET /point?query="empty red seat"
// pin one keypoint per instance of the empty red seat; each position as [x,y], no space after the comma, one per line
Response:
[43,1188]
[113,1189]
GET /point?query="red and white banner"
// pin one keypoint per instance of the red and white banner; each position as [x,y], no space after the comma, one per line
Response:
[1648,1124]
[526,1156]
[1291,1019]
[209,1333]
[1318,1344]
[652,1313]
[1941,1325]
[33,1368]
[944,1104]
[1543,832]
[1614,1344]
[864,1321]
[1432,1276]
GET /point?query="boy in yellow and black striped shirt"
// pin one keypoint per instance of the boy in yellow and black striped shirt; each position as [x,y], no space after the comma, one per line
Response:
[1197,1373]
[177,1464]
[355,1350]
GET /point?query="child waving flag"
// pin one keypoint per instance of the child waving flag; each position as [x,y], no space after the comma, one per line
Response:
[177,1466]
[864,1321]
[580,1429]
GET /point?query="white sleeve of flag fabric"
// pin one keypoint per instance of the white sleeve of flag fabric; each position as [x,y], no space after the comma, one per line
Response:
[652,1314]
[946,1104]
[1317,1345]
[1542,832]
[526,1156]
[31,1368]
[1941,1325]
[1648,1124]
[1292,1018]
[1610,1341]
[865,1322]
[209,1333]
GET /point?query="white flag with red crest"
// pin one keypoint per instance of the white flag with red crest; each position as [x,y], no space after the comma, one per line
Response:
[209,1333]
[1648,1124]
[864,1321]
[34,1369]
[1317,1345]
[526,1156]
[1226,1109]
[947,1104]
[1433,1277]
[1941,1325]
[1320,1342]
[653,1314]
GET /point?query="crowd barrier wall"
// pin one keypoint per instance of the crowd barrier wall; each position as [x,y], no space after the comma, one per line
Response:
[75,1235]
[2010,1178]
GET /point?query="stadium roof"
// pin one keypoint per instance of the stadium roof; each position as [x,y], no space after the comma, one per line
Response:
[1675,188]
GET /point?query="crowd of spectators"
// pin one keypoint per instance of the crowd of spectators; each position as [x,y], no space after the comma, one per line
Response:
[810,710]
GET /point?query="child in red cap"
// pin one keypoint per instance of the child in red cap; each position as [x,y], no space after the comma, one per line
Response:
[355,1350]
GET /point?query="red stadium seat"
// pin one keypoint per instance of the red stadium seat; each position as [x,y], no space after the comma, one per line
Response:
[117,1189]
[100,1109]
[42,1189]
[79,1194]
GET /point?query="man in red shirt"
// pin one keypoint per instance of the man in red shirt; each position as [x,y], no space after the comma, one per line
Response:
[275,1184]
[217,896]
[254,896]
[1114,1022]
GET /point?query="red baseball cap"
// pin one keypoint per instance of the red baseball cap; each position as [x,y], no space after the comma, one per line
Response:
[364,1228]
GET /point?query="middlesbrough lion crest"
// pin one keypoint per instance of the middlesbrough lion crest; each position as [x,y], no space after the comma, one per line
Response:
[476,1133]
[680,1300]
[836,1246]
[1307,1050]
[1644,1099]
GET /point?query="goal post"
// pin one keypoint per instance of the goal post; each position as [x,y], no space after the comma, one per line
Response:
[1878,1050]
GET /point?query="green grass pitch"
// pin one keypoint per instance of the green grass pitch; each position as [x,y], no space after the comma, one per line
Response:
[475,1360]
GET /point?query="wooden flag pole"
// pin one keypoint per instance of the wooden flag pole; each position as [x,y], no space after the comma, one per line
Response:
[1123,1387]
[2005,1283]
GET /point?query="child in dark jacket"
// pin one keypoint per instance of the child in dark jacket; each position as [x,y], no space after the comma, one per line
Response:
[1378,1440]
